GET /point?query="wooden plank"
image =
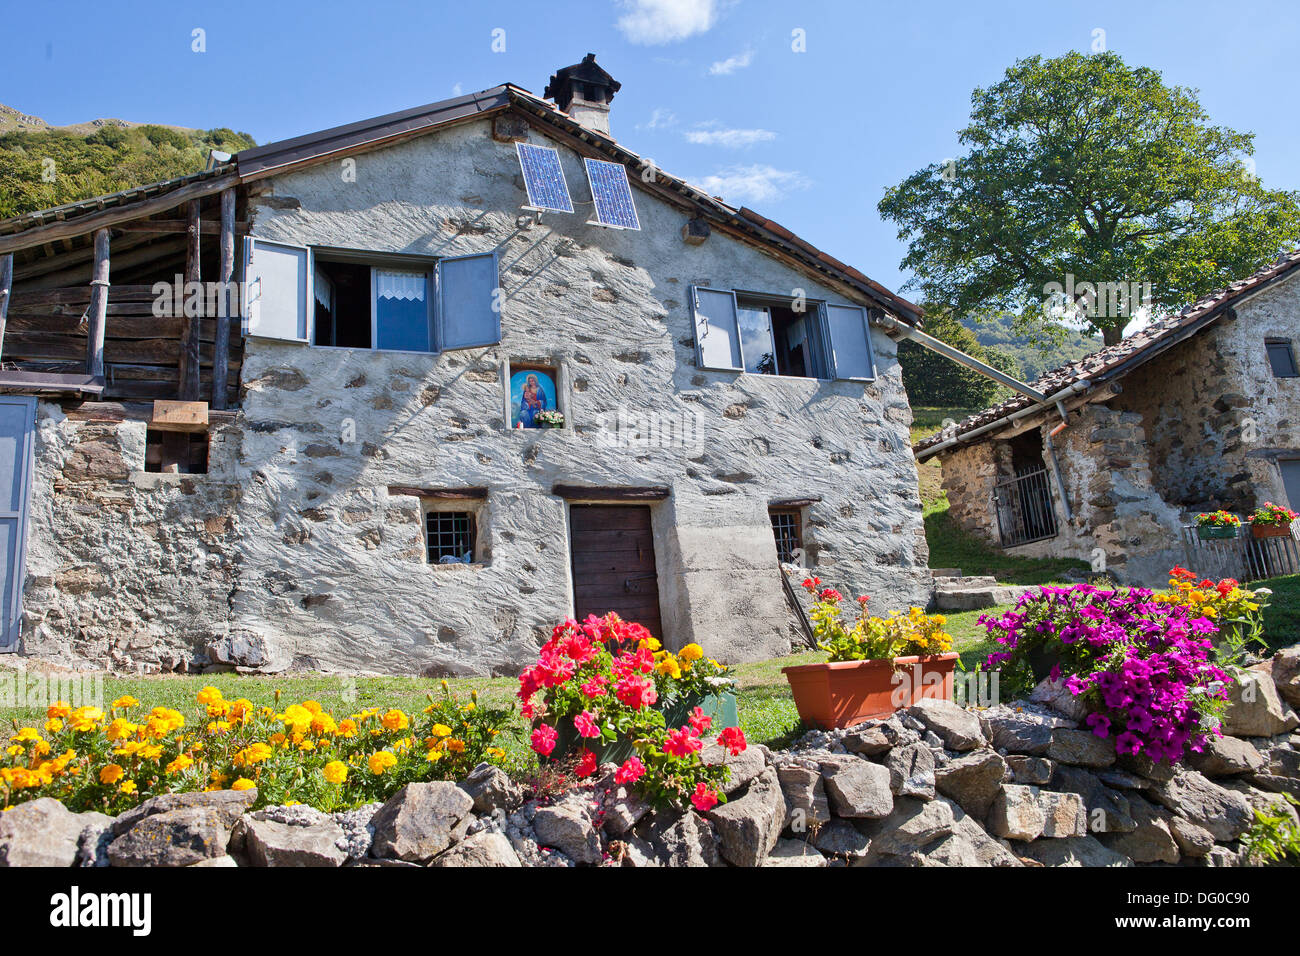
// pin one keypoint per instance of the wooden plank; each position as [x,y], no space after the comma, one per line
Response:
[79,293]
[793,502]
[96,313]
[620,493]
[188,386]
[129,412]
[180,416]
[635,561]
[119,327]
[225,275]
[179,225]
[443,493]
[6,282]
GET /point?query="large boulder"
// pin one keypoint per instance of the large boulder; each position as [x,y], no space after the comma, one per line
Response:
[267,843]
[686,840]
[569,827]
[1226,757]
[867,741]
[913,825]
[1151,840]
[1193,841]
[806,806]
[1027,813]
[842,838]
[229,805]
[1072,852]
[483,849]
[1286,674]
[1108,810]
[794,853]
[911,771]
[1030,770]
[420,821]
[986,850]
[173,838]
[972,780]
[39,832]
[1223,812]
[1021,730]
[957,727]
[857,788]
[742,767]
[1081,748]
[748,826]
[1254,707]
[491,788]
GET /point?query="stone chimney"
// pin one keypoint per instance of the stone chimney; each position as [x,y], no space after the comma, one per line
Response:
[584,91]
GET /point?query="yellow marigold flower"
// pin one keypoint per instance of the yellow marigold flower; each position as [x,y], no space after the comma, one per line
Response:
[243,707]
[85,718]
[53,725]
[128,787]
[125,701]
[307,746]
[311,706]
[441,730]
[218,778]
[495,752]
[218,708]
[669,666]
[336,771]
[27,733]
[253,754]
[381,761]
[219,727]
[456,745]
[323,723]
[243,783]
[395,720]
[347,728]
[434,755]
[691,652]
[296,718]
[119,729]
[180,763]
[58,709]
[208,696]
[172,718]
[278,739]
[111,773]
[150,752]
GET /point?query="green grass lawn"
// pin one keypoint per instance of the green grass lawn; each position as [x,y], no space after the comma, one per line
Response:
[1282,616]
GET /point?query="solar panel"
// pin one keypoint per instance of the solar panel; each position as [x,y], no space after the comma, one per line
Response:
[613,195]
[543,178]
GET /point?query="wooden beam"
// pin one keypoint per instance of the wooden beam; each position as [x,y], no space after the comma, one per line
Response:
[139,209]
[97,314]
[225,275]
[794,502]
[176,225]
[447,493]
[189,363]
[6,283]
[617,493]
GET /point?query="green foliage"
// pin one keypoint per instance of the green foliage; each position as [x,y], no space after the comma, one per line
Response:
[110,159]
[951,547]
[1274,839]
[1081,165]
[1050,347]
[934,379]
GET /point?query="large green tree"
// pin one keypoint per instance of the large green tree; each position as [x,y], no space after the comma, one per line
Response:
[1081,166]
[935,380]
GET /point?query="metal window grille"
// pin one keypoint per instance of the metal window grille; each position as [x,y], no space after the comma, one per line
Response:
[1024,508]
[788,533]
[449,535]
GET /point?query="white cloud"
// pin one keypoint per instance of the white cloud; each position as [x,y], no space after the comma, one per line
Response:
[660,119]
[731,64]
[714,135]
[655,22]
[738,184]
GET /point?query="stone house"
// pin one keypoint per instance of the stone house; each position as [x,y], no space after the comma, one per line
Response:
[341,470]
[1199,411]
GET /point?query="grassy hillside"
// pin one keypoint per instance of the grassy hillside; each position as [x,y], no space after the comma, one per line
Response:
[1034,358]
[43,166]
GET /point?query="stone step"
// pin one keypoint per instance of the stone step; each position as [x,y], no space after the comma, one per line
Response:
[976,598]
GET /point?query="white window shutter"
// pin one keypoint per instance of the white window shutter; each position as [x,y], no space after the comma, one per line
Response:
[469,305]
[717,332]
[277,290]
[850,335]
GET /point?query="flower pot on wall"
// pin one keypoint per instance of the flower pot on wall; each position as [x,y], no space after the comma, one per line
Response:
[1270,530]
[843,693]
[1211,532]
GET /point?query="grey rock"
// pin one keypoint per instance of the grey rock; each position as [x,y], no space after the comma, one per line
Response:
[1226,757]
[794,853]
[1081,748]
[957,727]
[987,851]
[868,741]
[568,827]
[298,815]
[749,826]
[1021,730]
[173,838]
[1108,810]
[632,851]
[486,848]
[911,771]
[1286,674]
[1072,852]
[1193,841]
[623,810]
[1030,770]
[743,767]
[805,796]
[858,788]
[1151,841]
[491,788]
[686,840]
[240,648]
[1124,780]
[1273,803]
[1027,813]
[843,839]
[419,821]
[41,832]
[1223,812]
[1254,707]
[1058,697]
[268,843]
[896,733]
[972,780]
[1227,856]
[909,828]
[358,834]
[96,835]
[1143,766]
[230,805]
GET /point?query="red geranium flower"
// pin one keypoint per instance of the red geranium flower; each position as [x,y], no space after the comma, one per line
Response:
[700,721]
[585,725]
[544,738]
[681,743]
[586,764]
[636,692]
[733,738]
[631,771]
[703,798]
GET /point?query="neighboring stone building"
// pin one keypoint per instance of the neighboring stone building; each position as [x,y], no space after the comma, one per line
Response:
[337,505]
[1198,411]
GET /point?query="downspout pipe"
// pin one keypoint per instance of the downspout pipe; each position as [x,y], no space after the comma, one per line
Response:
[1056,465]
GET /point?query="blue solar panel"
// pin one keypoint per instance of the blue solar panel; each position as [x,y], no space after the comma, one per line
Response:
[613,195]
[543,178]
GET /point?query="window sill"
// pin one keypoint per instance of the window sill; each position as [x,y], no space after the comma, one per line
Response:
[148,480]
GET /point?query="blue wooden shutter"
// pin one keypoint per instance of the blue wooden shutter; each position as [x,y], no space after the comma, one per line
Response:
[717,331]
[468,305]
[850,337]
[17,429]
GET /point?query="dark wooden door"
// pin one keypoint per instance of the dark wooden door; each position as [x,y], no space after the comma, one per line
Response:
[614,564]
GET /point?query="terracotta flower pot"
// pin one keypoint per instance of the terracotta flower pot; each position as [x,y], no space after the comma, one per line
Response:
[843,693]
[1270,530]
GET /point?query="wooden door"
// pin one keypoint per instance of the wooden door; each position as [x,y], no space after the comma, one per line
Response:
[17,421]
[614,564]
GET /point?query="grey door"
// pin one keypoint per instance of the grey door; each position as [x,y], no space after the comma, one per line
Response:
[1291,481]
[17,425]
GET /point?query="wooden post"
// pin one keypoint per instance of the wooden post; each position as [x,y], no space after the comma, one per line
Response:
[225,275]
[96,315]
[190,329]
[6,282]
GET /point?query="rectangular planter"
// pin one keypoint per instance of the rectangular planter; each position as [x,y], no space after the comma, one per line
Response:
[1210,532]
[843,693]
[1270,530]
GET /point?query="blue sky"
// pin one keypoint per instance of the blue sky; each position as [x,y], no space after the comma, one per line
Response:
[712,89]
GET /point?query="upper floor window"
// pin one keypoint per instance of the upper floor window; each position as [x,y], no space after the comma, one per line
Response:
[370,301]
[1282,358]
[774,335]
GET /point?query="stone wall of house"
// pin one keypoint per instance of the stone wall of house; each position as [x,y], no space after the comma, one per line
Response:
[329,566]
[1233,417]
[969,474]
[126,568]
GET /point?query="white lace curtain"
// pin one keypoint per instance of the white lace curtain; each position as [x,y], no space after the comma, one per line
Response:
[400,285]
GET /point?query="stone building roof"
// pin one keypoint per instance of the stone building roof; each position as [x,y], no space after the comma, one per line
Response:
[1115,361]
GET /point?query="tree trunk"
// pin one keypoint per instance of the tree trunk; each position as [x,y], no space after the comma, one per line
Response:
[1112,334]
